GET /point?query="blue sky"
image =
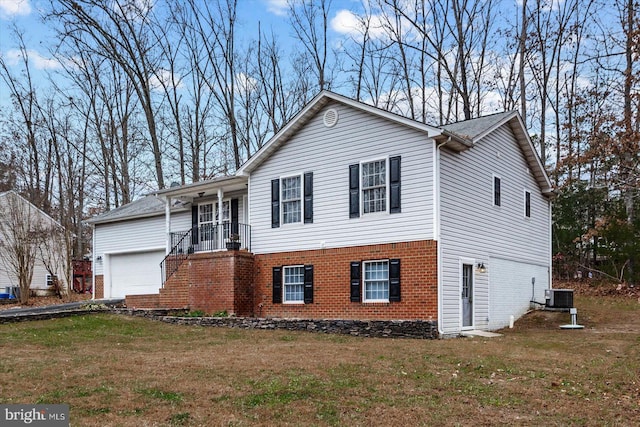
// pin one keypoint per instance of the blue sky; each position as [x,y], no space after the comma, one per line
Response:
[270,13]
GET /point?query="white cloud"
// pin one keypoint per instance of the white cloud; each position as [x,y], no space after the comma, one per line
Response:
[277,7]
[348,23]
[164,78]
[10,8]
[14,56]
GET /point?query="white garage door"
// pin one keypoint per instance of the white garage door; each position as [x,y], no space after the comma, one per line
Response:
[511,289]
[135,273]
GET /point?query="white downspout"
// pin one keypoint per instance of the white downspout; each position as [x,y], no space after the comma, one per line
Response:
[167,221]
[436,227]
[93,266]
[550,251]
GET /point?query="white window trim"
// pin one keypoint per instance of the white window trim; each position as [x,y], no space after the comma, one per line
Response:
[213,221]
[473,263]
[524,204]
[493,191]
[288,224]
[284,285]
[387,190]
[364,282]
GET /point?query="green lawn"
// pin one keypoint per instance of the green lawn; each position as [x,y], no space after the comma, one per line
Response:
[124,371]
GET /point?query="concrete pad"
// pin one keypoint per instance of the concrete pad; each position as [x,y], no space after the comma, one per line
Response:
[477,333]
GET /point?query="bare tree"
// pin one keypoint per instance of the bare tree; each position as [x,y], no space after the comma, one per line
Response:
[118,31]
[309,20]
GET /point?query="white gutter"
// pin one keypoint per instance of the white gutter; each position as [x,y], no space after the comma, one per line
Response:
[167,223]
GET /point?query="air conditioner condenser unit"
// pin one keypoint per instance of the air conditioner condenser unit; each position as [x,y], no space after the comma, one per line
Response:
[559,298]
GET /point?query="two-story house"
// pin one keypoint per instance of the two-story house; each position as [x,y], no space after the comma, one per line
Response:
[349,212]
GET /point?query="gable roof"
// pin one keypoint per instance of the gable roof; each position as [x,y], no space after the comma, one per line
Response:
[319,102]
[43,213]
[145,207]
[474,130]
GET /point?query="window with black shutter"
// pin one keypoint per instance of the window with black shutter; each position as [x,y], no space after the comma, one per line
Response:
[275,203]
[308,197]
[394,184]
[308,284]
[394,280]
[277,285]
[497,192]
[356,283]
[354,191]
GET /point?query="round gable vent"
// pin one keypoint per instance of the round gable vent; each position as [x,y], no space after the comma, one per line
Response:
[330,118]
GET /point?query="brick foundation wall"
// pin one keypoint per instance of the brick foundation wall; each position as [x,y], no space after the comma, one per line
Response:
[212,282]
[99,284]
[142,301]
[418,279]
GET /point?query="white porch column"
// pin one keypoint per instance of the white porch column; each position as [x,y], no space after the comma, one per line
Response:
[167,221]
[220,222]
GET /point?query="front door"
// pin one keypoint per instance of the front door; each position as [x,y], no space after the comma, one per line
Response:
[467,295]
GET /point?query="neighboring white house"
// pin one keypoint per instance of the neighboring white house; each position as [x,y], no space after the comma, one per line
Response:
[354,212]
[18,215]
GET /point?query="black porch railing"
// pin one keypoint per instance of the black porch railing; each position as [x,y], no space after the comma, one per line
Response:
[207,237]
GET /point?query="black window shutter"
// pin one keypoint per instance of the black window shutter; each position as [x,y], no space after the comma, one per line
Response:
[277,285]
[275,203]
[354,191]
[308,197]
[234,216]
[308,284]
[394,184]
[194,224]
[496,191]
[355,281]
[527,204]
[394,280]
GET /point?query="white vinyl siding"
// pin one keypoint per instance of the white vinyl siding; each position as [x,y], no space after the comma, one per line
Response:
[513,285]
[136,235]
[473,227]
[328,152]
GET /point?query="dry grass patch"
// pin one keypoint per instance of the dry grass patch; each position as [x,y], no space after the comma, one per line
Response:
[116,370]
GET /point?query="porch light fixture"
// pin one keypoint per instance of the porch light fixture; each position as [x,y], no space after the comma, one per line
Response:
[482,268]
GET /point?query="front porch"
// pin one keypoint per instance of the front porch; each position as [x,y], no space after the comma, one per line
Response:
[204,238]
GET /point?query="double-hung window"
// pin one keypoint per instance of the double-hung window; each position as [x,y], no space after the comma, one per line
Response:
[376,281]
[291,199]
[374,186]
[293,284]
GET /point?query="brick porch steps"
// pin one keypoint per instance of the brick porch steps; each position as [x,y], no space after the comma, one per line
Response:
[210,281]
[142,301]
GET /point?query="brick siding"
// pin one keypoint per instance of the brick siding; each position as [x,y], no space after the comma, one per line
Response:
[99,284]
[212,282]
[418,280]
